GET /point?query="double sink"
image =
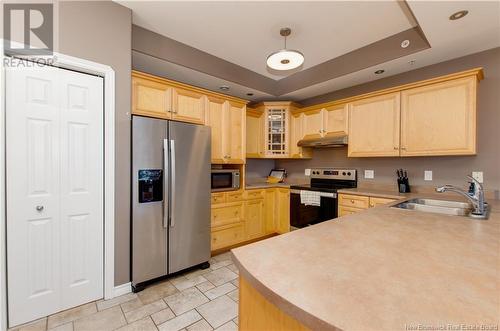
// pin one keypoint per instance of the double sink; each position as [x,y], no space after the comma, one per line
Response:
[454,208]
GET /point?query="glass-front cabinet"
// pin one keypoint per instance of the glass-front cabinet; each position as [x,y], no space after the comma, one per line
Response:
[277,131]
[270,133]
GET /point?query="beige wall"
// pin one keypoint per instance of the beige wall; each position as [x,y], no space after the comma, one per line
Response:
[448,169]
[100,31]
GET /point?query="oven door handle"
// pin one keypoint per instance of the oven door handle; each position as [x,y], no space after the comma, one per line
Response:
[321,194]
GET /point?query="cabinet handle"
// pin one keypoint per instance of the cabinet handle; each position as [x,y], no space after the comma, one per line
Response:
[403,148]
[396,148]
[352,201]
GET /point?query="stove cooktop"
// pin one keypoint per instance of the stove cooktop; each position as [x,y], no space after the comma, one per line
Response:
[329,180]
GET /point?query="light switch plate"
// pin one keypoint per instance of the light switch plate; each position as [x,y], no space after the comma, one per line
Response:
[428,175]
[369,174]
[478,175]
[307,172]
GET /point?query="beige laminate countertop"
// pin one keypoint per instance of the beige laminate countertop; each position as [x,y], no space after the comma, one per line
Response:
[382,269]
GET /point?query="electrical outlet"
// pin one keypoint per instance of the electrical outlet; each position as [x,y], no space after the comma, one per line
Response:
[307,172]
[428,175]
[369,174]
[478,175]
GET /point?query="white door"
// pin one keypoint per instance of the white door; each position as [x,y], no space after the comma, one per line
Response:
[54,157]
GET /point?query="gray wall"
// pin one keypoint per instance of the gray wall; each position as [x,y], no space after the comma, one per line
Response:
[449,169]
[101,31]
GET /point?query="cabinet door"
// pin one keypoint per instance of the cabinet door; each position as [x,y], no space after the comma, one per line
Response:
[283,212]
[236,133]
[255,134]
[188,106]
[151,98]
[276,127]
[296,134]
[254,218]
[335,120]
[215,121]
[374,126]
[439,119]
[313,124]
[270,210]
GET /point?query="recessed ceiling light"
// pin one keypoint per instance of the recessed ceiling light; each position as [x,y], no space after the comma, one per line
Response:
[405,43]
[224,88]
[380,71]
[249,94]
[458,15]
[285,59]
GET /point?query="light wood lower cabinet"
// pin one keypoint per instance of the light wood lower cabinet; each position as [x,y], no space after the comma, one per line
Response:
[227,236]
[258,313]
[248,215]
[255,218]
[352,203]
[283,210]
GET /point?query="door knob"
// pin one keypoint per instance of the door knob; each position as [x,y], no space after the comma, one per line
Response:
[39,208]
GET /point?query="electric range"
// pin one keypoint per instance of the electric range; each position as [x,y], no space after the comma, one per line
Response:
[325,182]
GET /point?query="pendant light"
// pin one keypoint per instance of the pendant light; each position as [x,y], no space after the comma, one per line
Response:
[285,59]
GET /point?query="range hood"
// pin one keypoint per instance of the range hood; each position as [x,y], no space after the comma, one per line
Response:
[333,141]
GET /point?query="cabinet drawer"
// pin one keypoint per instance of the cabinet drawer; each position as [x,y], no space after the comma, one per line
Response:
[227,214]
[234,196]
[343,210]
[356,201]
[374,202]
[254,194]
[218,198]
[227,237]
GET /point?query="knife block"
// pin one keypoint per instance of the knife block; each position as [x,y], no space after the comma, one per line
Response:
[404,185]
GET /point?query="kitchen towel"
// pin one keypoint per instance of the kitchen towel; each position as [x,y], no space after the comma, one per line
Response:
[310,198]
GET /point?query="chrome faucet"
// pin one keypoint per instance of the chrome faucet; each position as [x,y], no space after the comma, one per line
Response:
[477,199]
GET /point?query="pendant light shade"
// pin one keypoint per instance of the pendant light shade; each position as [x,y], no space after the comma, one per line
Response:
[285,59]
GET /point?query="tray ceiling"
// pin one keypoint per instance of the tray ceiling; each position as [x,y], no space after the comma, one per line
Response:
[344,42]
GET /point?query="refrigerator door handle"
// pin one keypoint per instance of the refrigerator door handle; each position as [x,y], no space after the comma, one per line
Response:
[172,180]
[165,183]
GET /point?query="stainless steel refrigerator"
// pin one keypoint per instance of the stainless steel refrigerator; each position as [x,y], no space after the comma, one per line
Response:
[170,198]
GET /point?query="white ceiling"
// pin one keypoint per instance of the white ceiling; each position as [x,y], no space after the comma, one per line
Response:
[478,31]
[245,33]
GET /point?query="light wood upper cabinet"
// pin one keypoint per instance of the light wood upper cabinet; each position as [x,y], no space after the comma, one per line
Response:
[335,121]
[151,98]
[215,107]
[188,106]
[374,126]
[439,119]
[313,124]
[255,134]
[236,133]
[296,134]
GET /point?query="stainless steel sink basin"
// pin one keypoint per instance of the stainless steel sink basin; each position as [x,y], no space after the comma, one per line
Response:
[437,206]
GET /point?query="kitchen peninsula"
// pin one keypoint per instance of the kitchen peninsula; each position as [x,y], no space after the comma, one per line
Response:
[379,269]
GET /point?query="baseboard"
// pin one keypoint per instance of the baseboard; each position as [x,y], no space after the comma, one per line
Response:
[122,289]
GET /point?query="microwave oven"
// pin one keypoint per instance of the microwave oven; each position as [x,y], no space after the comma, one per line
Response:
[225,180]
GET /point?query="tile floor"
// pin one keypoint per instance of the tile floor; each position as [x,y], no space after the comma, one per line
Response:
[197,300]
